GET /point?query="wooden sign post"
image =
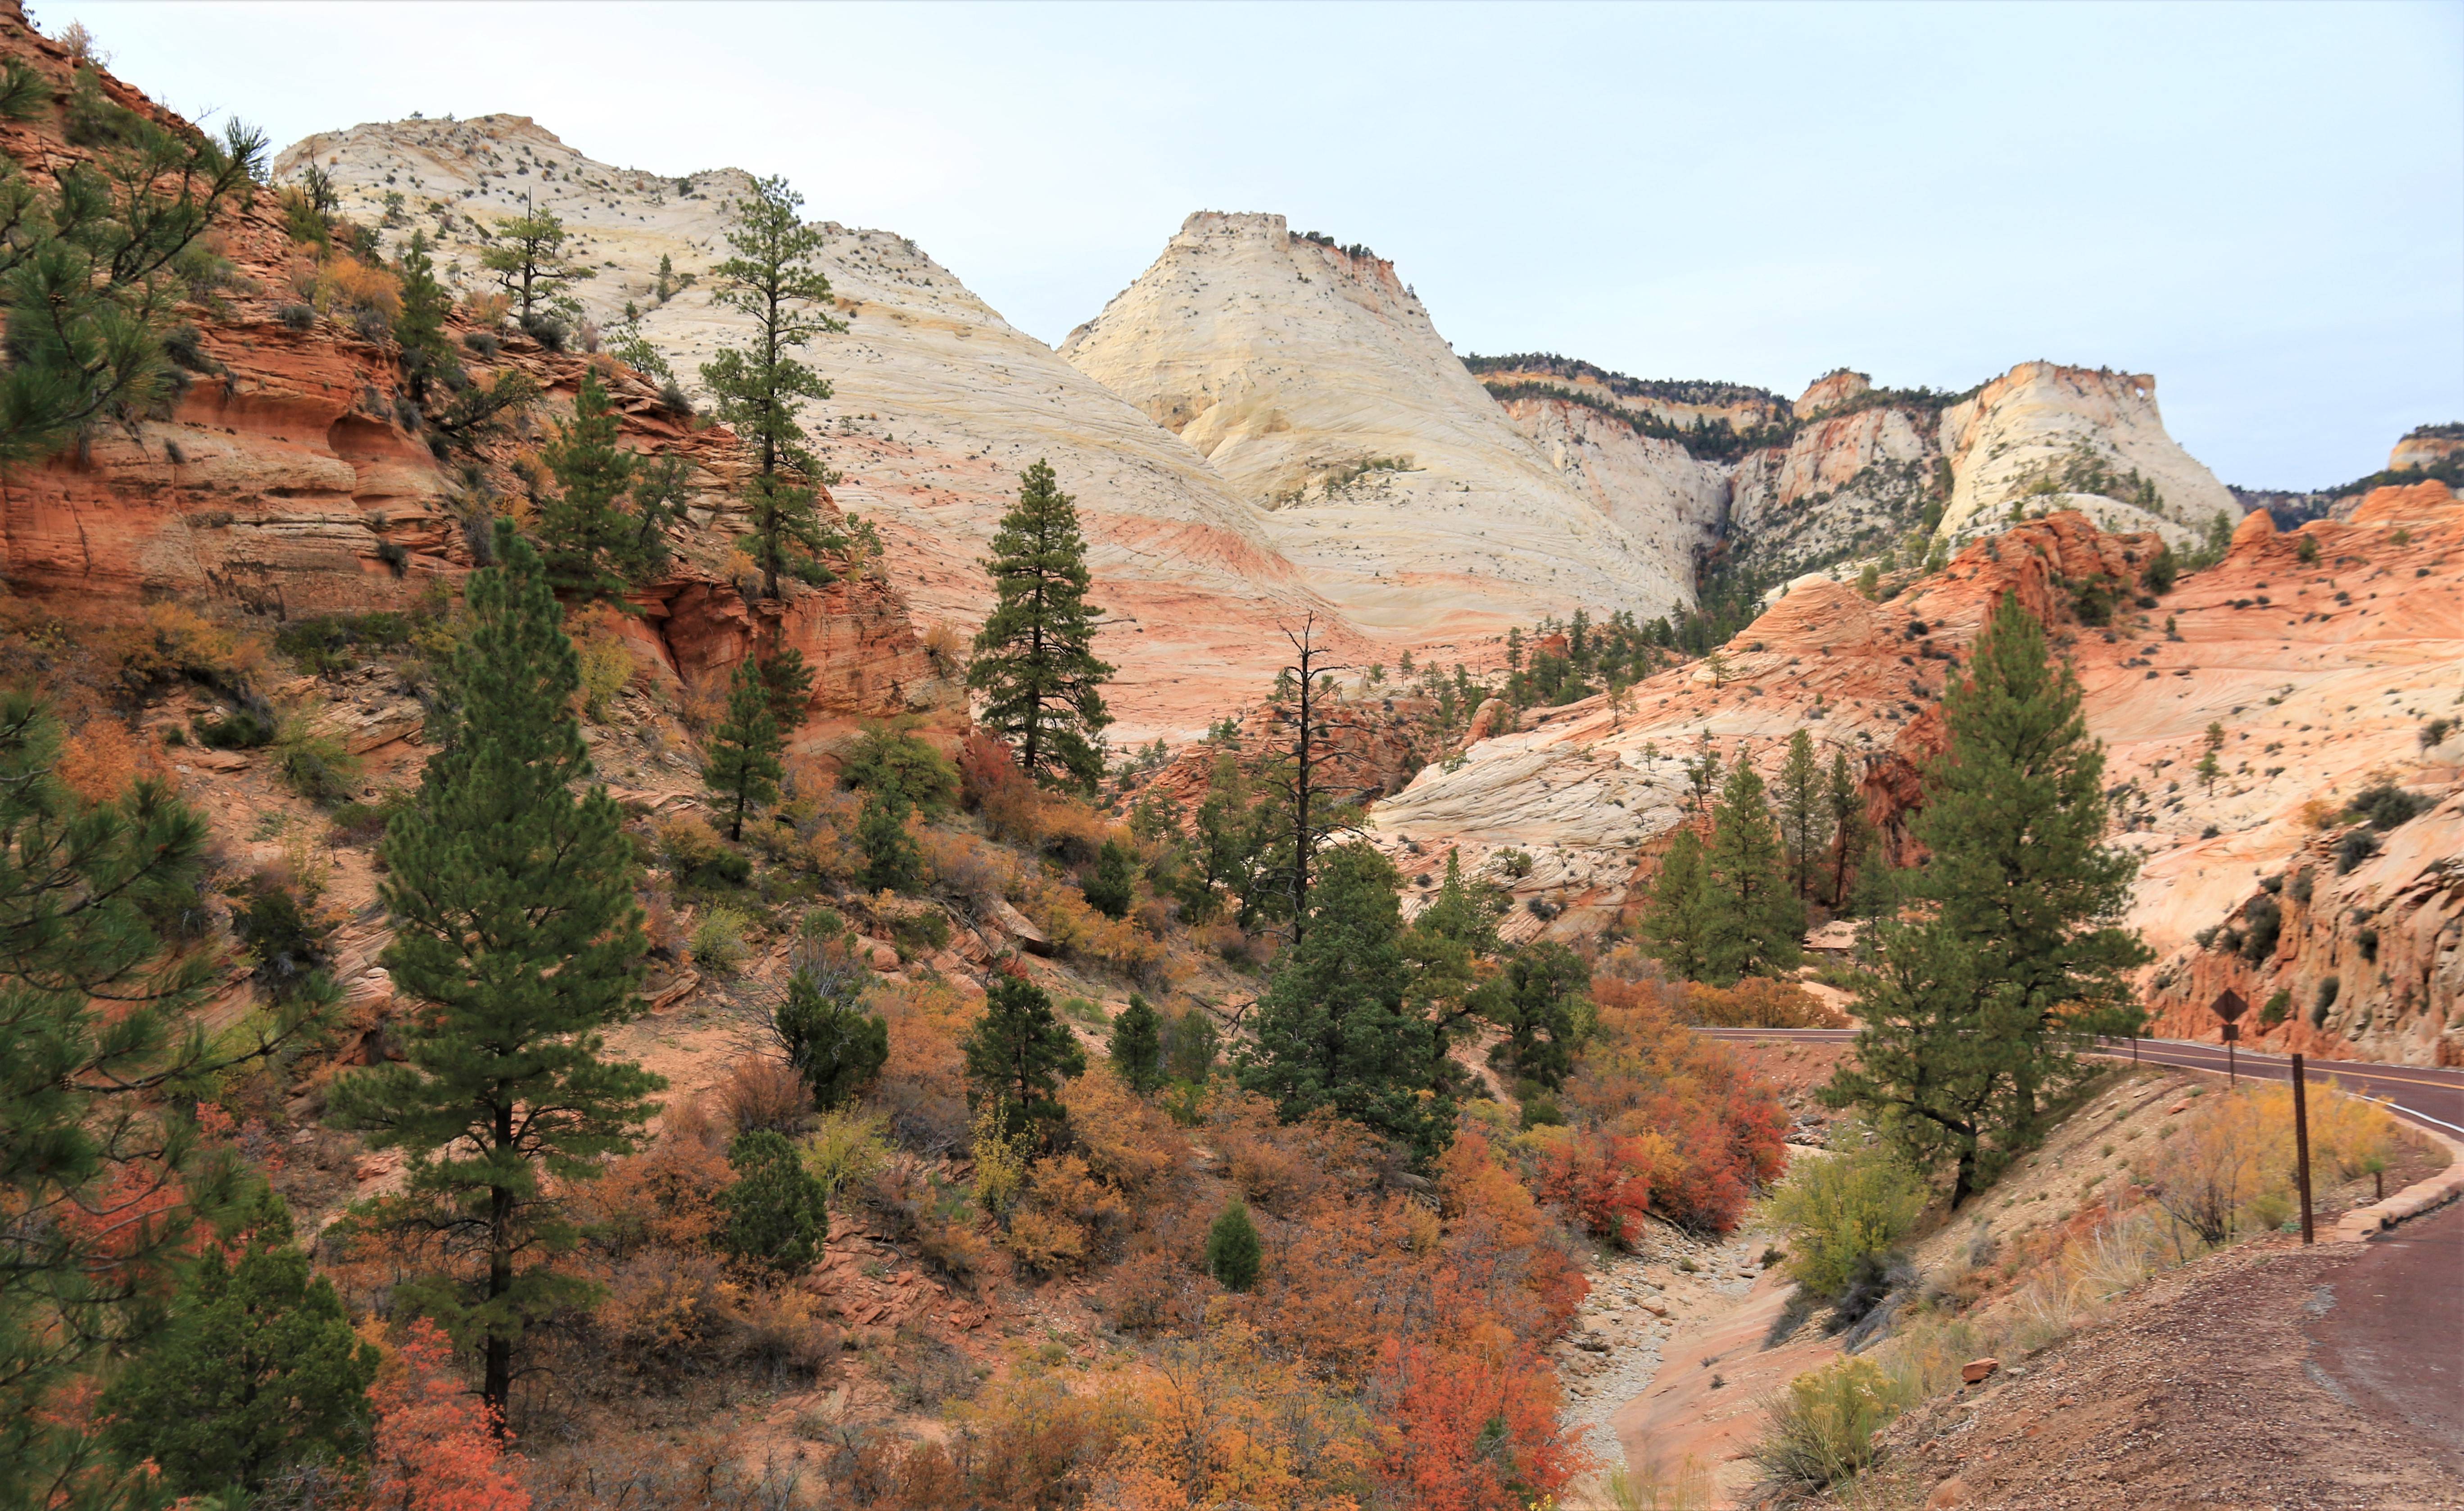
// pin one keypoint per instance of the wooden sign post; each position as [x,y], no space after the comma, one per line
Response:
[2230,1008]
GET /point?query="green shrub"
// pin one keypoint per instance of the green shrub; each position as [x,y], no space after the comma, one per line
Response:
[239,729]
[718,942]
[922,933]
[2279,1007]
[1113,885]
[2355,847]
[884,758]
[1232,1248]
[2383,805]
[1844,1214]
[1136,1046]
[777,1211]
[832,1042]
[2263,922]
[318,767]
[848,1147]
[1820,1432]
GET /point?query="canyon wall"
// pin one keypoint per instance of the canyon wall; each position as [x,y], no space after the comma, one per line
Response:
[937,405]
[1312,379]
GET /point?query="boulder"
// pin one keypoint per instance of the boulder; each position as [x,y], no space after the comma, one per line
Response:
[1976,1370]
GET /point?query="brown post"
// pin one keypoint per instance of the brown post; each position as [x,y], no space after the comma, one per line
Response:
[2302,1147]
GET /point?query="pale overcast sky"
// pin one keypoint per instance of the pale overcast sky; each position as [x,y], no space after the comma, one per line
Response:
[2262,205]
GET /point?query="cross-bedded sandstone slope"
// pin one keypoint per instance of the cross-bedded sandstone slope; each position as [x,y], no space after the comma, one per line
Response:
[938,403]
[1312,379]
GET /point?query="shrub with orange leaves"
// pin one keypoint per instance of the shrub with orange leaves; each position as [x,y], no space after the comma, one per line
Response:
[1756,1001]
[435,1446]
[1602,1179]
[100,761]
[923,1085]
[1223,1421]
[1471,1428]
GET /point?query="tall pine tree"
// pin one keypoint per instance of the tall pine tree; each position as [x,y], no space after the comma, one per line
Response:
[1035,659]
[517,930]
[743,767]
[420,325]
[1758,923]
[104,1187]
[592,546]
[1851,833]
[1804,815]
[1337,1028]
[757,386]
[2014,947]
[526,253]
[1677,922]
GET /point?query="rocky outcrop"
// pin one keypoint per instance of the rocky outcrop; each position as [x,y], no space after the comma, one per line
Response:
[2427,446]
[2325,653]
[938,403]
[1314,380]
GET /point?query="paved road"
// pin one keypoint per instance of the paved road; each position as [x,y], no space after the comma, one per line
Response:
[2432,1097]
[2389,1328]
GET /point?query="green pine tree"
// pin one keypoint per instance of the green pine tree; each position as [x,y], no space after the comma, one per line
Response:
[515,926]
[1113,887]
[1543,1001]
[1851,832]
[1758,923]
[1677,922]
[419,328]
[2210,768]
[1019,1055]
[789,682]
[1804,815]
[837,1046]
[778,1216]
[526,253]
[1136,1046]
[99,1021]
[2014,945]
[2013,821]
[98,258]
[743,767]
[892,862]
[592,546]
[1035,659]
[1233,1252]
[757,387]
[1337,1028]
[258,1371]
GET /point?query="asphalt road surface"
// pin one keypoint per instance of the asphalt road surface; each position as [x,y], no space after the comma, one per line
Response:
[2432,1097]
[2390,1329]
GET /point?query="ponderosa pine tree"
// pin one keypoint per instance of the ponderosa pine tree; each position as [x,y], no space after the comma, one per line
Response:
[1851,833]
[1114,886]
[2014,945]
[1543,1001]
[592,546]
[258,1371]
[1677,923]
[1136,1046]
[757,386]
[1035,658]
[1233,1251]
[97,262]
[105,1190]
[1337,1028]
[526,253]
[1756,920]
[419,326]
[744,768]
[777,1213]
[517,930]
[1804,812]
[789,682]
[837,1046]
[892,861]
[1019,1055]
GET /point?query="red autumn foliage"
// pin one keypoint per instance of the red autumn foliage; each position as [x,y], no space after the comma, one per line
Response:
[1604,1180]
[1471,1429]
[436,1447]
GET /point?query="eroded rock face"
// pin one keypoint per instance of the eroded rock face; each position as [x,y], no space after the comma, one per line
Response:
[1314,380]
[2323,673]
[938,401]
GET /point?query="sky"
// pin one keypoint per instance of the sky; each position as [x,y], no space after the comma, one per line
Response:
[2263,206]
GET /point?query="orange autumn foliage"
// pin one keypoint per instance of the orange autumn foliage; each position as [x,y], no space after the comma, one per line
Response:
[1471,1425]
[435,1449]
